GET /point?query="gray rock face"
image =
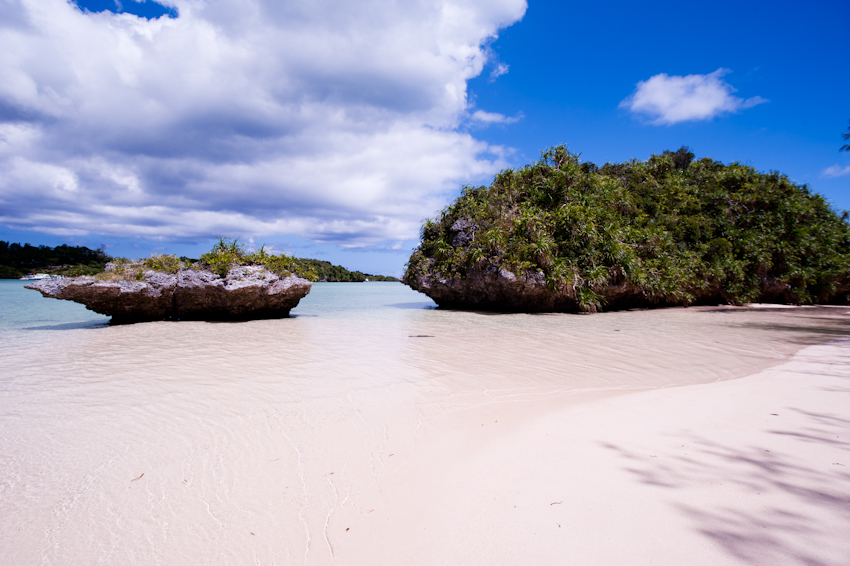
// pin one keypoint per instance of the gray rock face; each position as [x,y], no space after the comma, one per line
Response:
[464,232]
[247,292]
[494,289]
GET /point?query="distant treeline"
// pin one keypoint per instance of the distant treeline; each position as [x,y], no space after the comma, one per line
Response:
[326,271]
[17,260]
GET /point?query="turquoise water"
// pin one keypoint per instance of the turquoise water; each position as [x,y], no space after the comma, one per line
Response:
[360,299]
[28,318]
[29,322]
[595,350]
[25,309]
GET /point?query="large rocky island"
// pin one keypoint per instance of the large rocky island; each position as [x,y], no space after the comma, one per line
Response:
[226,284]
[565,236]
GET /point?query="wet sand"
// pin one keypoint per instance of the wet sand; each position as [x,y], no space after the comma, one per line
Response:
[393,434]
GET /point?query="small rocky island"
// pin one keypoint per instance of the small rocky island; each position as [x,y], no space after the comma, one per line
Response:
[226,284]
[565,236]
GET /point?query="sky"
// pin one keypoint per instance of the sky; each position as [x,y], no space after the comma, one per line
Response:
[331,129]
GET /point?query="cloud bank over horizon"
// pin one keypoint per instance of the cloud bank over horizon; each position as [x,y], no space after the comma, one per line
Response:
[339,122]
[667,100]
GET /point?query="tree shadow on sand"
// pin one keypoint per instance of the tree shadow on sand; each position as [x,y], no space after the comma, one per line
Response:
[760,503]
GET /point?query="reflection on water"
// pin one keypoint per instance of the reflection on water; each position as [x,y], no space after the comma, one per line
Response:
[68,325]
[191,442]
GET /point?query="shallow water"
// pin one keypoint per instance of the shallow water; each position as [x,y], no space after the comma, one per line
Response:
[256,442]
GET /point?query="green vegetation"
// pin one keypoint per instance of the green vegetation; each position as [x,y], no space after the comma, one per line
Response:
[17,260]
[124,269]
[326,271]
[675,230]
[229,253]
[7,272]
[224,256]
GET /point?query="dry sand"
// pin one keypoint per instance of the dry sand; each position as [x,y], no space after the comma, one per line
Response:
[754,470]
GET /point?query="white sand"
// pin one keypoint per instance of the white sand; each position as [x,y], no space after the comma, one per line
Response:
[749,471]
[498,440]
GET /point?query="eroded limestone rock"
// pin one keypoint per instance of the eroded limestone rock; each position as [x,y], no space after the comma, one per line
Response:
[491,288]
[247,292]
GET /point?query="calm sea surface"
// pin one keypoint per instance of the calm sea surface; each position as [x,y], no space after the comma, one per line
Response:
[253,442]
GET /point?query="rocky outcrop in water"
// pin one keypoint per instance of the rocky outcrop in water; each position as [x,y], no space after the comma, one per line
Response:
[565,235]
[494,289]
[489,287]
[485,286]
[246,292]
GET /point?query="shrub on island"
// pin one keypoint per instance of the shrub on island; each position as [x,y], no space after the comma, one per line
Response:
[562,235]
[229,253]
[225,255]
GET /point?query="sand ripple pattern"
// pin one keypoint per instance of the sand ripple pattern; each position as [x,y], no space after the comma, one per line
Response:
[262,442]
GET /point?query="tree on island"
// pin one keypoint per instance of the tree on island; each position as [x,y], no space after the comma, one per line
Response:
[681,158]
[563,235]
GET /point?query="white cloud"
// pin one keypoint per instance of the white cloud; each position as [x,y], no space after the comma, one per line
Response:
[494,118]
[333,121]
[668,99]
[836,171]
[498,71]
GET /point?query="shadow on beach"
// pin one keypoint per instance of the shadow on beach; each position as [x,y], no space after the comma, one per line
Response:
[762,503]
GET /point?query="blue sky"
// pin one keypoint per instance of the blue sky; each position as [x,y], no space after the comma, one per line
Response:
[571,64]
[331,129]
[145,8]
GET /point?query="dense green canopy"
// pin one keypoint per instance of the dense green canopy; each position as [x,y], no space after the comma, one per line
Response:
[17,260]
[680,231]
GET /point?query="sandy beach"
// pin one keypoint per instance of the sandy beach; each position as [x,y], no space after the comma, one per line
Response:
[424,283]
[370,428]
[748,471]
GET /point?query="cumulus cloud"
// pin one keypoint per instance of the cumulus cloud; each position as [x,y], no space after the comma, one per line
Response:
[836,171]
[334,121]
[665,99]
